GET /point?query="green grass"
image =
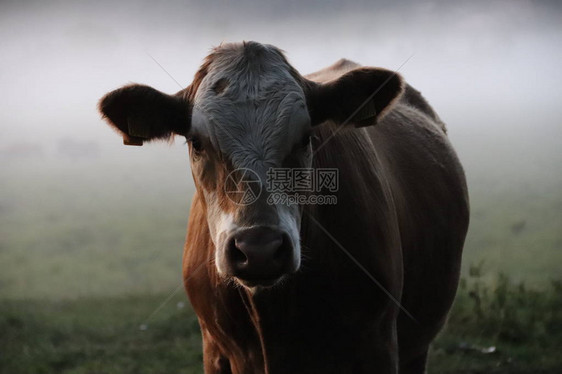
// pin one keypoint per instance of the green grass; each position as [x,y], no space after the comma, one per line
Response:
[139,334]
[99,335]
[523,325]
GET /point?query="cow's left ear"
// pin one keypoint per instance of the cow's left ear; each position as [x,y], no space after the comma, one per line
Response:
[360,97]
[141,113]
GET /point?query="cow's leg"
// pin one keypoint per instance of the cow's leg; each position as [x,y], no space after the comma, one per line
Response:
[417,365]
[380,352]
[213,361]
[387,361]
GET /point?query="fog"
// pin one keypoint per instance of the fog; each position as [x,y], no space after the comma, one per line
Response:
[473,61]
[491,70]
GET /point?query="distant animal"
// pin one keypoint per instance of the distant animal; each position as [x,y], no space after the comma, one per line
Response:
[362,285]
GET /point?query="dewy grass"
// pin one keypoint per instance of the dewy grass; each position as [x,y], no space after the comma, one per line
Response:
[501,327]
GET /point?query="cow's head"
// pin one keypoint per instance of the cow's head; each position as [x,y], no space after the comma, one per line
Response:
[247,111]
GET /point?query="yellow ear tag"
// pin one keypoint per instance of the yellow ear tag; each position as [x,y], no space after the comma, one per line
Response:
[131,140]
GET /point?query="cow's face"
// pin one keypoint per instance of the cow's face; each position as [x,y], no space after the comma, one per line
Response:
[248,112]
[249,116]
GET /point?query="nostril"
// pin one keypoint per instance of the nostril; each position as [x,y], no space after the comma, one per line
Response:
[236,255]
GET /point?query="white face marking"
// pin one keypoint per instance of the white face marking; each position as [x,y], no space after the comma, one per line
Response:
[225,224]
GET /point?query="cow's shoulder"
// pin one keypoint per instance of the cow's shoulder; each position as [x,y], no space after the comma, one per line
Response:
[413,98]
[333,71]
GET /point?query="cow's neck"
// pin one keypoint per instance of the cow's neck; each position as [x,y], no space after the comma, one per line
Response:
[330,289]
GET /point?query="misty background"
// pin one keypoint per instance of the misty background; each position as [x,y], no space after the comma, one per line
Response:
[81,214]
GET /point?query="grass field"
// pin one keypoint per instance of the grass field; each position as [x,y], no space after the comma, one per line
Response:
[124,335]
[90,249]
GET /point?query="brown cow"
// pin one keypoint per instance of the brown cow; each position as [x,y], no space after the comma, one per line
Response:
[360,286]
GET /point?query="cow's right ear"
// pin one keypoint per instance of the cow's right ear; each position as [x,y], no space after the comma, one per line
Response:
[360,97]
[141,113]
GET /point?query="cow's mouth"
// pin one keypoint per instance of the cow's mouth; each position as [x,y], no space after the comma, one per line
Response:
[257,283]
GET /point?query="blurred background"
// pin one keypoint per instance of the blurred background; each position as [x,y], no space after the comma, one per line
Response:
[91,232]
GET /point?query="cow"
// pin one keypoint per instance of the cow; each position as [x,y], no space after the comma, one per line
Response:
[362,285]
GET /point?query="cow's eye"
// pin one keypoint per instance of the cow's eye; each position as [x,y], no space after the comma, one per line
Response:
[196,144]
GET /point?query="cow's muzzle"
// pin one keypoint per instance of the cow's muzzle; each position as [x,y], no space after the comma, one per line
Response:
[259,256]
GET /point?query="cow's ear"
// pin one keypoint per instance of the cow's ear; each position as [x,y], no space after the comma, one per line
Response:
[141,113]
[360,97]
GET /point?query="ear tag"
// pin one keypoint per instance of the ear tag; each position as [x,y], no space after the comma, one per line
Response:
[368,111]
[131,140]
